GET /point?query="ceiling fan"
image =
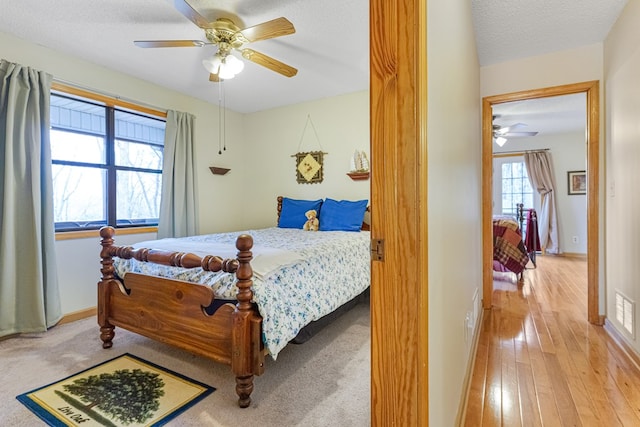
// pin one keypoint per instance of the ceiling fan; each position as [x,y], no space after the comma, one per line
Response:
[227,36]
[501,133]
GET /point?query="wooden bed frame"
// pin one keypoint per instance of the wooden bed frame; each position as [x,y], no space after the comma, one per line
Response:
[175,312]
[519,220]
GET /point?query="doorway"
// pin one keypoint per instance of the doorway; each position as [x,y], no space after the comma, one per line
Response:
[591,90]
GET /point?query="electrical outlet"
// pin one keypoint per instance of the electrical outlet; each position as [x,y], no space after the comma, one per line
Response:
[467,320]
[468,325]
[574,239]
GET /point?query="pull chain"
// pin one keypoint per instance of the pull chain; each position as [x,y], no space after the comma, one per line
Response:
[222,119]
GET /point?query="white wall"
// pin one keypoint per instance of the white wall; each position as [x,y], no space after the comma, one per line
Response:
[273,136]
[78,263]
[454,202]
[621,64]
[568,153]
[559,68]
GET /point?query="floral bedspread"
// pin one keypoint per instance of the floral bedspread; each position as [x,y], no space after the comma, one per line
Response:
[322,271]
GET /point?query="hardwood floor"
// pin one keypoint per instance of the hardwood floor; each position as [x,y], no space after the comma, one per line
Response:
[540,363]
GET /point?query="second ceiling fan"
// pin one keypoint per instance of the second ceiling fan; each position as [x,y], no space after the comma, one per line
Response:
[501,133]
[227,36]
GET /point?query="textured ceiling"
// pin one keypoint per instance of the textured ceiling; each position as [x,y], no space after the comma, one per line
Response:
[330,47]
[514,29]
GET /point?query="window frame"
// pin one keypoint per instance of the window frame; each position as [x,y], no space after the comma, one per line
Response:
[509,159]
[111,105]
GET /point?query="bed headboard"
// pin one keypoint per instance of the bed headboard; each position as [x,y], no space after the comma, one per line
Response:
[365,226]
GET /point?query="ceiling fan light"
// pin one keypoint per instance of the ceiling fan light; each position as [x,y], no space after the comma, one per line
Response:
[234,64]
[212,64]
[225,72]
[501,141]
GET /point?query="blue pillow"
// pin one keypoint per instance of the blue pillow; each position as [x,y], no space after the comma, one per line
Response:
[292,214]
[343,215]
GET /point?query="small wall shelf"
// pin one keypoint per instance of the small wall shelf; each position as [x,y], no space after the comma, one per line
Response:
[218,171]
[358,176]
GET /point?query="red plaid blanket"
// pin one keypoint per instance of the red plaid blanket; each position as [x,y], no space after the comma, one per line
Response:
[508,247]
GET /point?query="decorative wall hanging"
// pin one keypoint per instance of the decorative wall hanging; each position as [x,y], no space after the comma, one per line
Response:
[309,167]
[309,164]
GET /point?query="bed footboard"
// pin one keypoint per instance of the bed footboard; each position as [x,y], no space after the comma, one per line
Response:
[173,311]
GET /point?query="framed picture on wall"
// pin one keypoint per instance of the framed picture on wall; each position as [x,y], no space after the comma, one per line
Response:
[577,182]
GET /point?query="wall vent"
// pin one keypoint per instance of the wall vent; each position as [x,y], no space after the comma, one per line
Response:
[625,309]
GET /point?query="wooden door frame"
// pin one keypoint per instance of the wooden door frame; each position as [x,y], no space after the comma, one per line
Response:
[591,89]
[399,283]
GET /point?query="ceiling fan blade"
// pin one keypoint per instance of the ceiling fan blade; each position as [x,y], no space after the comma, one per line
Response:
[519,134]
[169,43]
[185,8]
[268,30]
[269,62]
[513,127]
[214,78]
[504,130]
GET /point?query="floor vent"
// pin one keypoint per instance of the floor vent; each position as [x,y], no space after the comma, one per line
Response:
[625,309]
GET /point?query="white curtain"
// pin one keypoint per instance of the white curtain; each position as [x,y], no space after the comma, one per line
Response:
[29,296]
[178,205]
[540,170]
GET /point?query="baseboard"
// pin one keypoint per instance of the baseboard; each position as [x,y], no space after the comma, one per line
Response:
[78,315]
[6,337]
[574,255]
[67,318]
[564,254]
[466,385]
[622,343]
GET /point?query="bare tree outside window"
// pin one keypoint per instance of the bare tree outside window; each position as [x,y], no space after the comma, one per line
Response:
[104,173]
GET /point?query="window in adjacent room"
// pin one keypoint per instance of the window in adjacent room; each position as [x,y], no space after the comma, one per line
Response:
[514,187]
[106,164]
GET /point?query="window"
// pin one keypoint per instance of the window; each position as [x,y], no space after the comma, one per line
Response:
[106,164]
[515,187]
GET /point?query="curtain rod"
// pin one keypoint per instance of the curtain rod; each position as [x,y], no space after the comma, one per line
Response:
[109,95]
[520,152]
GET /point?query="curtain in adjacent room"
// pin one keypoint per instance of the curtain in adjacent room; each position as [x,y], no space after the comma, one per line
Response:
[540,170]
[29,295]
[178,205]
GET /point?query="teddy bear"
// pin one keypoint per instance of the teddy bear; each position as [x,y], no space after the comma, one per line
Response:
[312,224]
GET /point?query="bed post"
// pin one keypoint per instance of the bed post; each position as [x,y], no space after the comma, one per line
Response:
[279,208]
[106,328]
[247,358]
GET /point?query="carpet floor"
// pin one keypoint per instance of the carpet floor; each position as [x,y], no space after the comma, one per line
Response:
[324,382]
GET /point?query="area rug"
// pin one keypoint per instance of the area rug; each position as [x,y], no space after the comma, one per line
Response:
[123,391]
